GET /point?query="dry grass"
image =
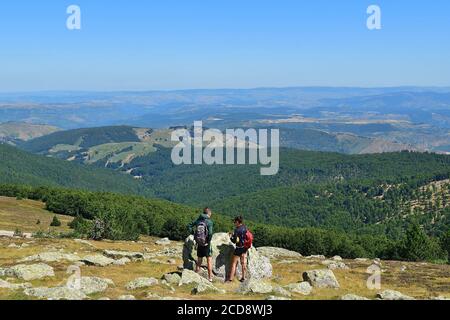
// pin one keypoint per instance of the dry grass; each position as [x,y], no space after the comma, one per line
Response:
[24,214]
[421,281]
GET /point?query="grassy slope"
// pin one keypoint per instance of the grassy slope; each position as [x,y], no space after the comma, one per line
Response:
[419,280]
[23,215]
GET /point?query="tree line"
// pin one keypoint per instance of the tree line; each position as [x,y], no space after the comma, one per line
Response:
[104,215]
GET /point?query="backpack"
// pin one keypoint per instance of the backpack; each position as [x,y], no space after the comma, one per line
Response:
[201,233]
[248,240]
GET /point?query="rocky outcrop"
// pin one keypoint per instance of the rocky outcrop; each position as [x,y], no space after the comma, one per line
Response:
[353,297]
[51,257]
[91,285]
[121,262]
[98,260]
[274,298]
[393,295]
[259,267]
[57,293]
[31,272]
[254,286]
[140,283]
[280,291]
[114,254]
[172,278]
[316,257]
[276,253]
[321,279]
[335,264]
[203,288]
[14,286]
[163,242]
[190,277]
[303,288]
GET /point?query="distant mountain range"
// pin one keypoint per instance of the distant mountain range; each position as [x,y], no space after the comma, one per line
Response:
[359,120]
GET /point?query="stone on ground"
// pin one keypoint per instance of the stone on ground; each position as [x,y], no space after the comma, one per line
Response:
[393,295]
[275,253]
[51,257]
[163,242]
[172,278]
[353,297]
[274,298]
[190,277]
[140,283]
[91,285]
[127,297]
[205,288]
[303,288]
[14,286]
[31,272]
[280,291]
[98,260]
[115,254]
[254,286]
[57,293]
[334,264]
[322,279]
[121,262]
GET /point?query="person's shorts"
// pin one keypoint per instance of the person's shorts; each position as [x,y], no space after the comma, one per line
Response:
[204,252]
[239,252]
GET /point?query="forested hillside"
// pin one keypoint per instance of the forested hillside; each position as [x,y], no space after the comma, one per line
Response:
[113,216]
[20,167]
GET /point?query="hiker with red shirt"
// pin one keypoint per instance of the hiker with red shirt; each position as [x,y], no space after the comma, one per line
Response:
[243,240]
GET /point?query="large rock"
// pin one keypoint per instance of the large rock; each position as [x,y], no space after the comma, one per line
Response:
[206,288]
[98,260]
[57,293]
[321,279]
[31,272]
[114,254]
[91,285]
[254,286]
[190,277]
[259,267]
[273,298]
[353,297]
[14,286]
[140,283]
[280,291]
[303,288]
[52,257]
[393,295]
[172,278]
[163,242]
[276,253]
[335,264]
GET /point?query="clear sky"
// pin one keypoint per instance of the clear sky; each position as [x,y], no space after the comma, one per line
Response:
[174,44]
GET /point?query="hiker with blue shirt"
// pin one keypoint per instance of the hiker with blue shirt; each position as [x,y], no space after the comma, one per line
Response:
[202,229]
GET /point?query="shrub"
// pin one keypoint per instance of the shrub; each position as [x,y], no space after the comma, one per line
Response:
[55,222]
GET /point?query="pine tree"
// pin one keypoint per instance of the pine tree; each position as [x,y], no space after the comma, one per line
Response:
[55,222]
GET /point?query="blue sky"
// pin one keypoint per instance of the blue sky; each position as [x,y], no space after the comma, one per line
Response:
[180,44]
